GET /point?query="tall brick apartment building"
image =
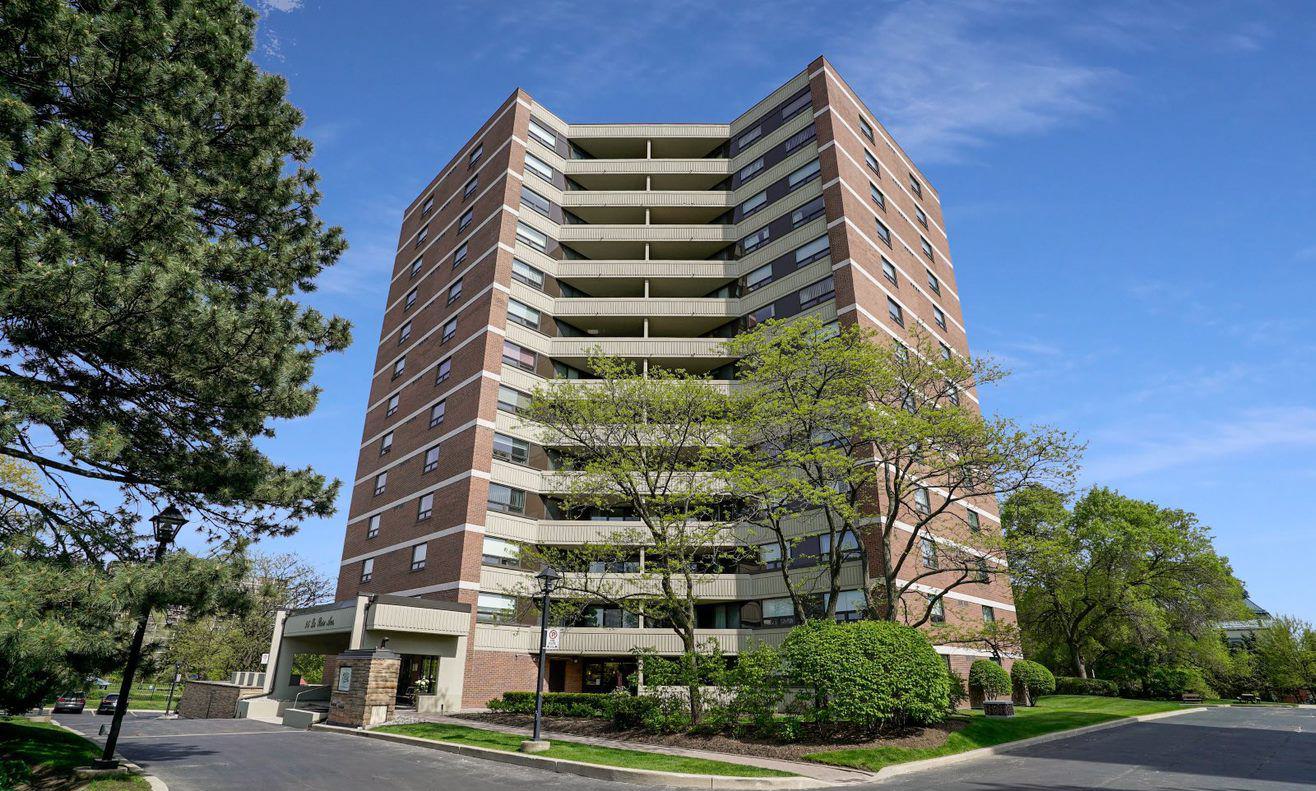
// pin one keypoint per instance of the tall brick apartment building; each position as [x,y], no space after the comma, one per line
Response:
[542,239]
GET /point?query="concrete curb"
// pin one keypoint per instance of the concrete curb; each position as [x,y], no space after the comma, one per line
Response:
[154,782]
[895,770]
[619,774]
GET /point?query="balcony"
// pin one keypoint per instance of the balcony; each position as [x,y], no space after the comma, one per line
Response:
[707,588]
[667,277]
[692,354]
[668,316]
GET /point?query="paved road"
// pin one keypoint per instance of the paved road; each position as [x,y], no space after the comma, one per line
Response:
[1221,749]
[246,755]
[1258,748]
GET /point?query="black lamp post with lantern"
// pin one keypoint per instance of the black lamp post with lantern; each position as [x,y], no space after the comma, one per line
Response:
[165,525]
[548,577]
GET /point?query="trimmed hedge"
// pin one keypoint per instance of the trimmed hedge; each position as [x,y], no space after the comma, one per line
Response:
[1032,678]
[868,673]
[1072,685]
[989,678]
[556,704]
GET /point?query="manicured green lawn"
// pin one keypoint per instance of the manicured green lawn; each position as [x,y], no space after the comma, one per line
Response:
[1053,713]
[585,753]
[27,747]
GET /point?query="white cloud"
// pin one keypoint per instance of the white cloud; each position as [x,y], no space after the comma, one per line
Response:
[286,6]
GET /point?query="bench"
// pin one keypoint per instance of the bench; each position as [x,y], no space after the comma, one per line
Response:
[1192,697]
[1248,697]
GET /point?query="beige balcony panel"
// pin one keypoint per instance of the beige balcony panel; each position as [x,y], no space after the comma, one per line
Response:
[710,587]
[401,618]
[653,306]
[653,198]
[640,347]
[647,233]
[773,99]
[712,167]
[645,131]
[650,269]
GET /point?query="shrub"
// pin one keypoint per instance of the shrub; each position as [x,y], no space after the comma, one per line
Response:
[989,679]
[958,692]
[556,704]
[1071,685]
[1032,679]
[868,673]
[1174,682]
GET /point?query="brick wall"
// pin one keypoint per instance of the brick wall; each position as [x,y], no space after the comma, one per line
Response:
[213,700]
[371,694]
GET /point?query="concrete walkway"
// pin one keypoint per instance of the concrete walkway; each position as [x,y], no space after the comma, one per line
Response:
[831,774]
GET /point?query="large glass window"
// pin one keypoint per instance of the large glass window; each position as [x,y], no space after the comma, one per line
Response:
[543,134]
[511,449]
[813,294]
[753,204]
[523,314]
[367,569]
[539,167]
[498,552]
[506,499]
[495,608]
[778,612]
[527,274]
[759,277]
[510,400]
[811,251]
[804,174]
[425,509]
[531,237]
[534,200]
[418,554]
[518,356]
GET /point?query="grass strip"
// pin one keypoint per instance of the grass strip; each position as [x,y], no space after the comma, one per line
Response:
[30,749]
[585,753]
[1051,714]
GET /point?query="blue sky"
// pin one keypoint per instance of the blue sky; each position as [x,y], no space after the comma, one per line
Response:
[1129,190]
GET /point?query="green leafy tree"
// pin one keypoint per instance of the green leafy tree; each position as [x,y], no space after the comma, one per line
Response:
[989,679]
[1109,566]
[1285,653]
[158,223]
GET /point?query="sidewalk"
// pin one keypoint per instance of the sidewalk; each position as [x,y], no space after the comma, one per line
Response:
[830,774]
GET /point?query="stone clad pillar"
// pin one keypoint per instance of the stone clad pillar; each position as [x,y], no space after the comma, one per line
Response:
[363,687]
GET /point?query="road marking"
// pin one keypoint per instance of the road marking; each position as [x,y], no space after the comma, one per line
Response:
[203,733]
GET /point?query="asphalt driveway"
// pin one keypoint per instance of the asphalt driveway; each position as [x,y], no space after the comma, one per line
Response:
[1221,749]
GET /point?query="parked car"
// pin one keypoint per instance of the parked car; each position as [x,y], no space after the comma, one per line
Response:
[108,703]
[70,703]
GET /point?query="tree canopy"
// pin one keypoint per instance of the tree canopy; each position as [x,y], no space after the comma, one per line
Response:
[158,223]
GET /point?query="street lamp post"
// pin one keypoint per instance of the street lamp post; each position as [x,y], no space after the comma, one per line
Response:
[547,577]
[166,525]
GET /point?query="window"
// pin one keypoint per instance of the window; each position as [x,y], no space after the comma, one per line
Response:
[418,556]
[427,205]
[749,137]
[921,501]
[531,238]
[927,248]
[498,552]
[759,277]
[883,232]
[449,330]
[871,161]
[494,608]
[511,449]
[800,138]
[770,555]
[811,251]
[431,462]
[927,549]
[801,102]
[421,234]
[778,612]
[386,444]
[518,356]
[813,294]
[849,605]
[803,175]
[437,412]
[523,314]
[455,291]
[984,573]
[933,282]
[443,371]
[936,609]
[877,195]
[539,167]
[893,310]
[367,569]
[945,351]
[527,274]
[381,483]
[470,187]
[761,315]
[921,216]
[372,526]
[807,212]
[939,316]
[849,546]
[415,266]
[459,255]
[541,133]
[513,401]
[755,239]
[506,499]
[411,299]
[865,128]
[754,204]
[475,155]
[399,366]
[988,614]
[392,405]
[425,509]
[751,170]
[915,185]
[534,200]
[404,333]
[889,270]
[975,526]
[952,393]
